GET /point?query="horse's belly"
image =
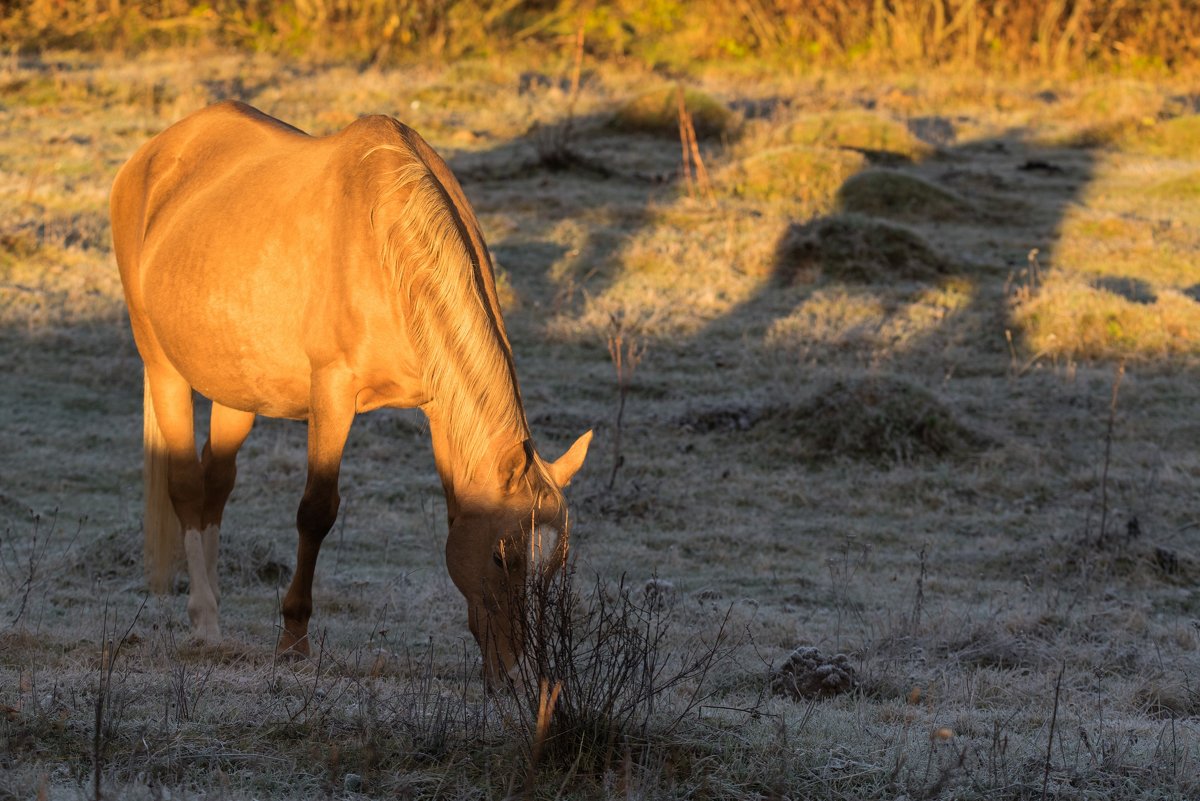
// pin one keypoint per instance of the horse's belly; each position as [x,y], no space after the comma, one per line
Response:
[235,340]
[254,384]
[243,374]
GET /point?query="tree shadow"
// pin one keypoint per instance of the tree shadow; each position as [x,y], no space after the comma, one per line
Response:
[935,246]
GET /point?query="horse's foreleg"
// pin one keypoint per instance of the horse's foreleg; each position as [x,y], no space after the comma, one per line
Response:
[227,431]
[329,418]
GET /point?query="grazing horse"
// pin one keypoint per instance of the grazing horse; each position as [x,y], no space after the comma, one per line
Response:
[314,278]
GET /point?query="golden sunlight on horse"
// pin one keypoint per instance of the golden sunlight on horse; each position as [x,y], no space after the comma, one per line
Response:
[285,275]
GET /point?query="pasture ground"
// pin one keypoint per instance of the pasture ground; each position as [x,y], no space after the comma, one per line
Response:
[878,412]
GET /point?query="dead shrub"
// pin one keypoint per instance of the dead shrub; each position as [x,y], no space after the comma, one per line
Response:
[601,677]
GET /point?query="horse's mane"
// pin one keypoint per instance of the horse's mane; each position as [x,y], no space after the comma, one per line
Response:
[465,358]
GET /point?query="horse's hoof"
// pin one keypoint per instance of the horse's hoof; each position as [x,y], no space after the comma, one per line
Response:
[292,647]
[205,637]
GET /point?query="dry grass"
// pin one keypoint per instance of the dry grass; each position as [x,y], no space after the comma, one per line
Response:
[1073,319]
[998,34]
[830,443]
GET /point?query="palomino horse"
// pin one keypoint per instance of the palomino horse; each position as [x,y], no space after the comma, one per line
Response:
[315,278]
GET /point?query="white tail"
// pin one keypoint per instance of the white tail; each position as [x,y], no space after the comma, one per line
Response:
[163,544]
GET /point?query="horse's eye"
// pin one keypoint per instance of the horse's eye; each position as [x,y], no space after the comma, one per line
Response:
[498,559]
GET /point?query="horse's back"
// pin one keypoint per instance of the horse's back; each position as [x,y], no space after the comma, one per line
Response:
[244,244]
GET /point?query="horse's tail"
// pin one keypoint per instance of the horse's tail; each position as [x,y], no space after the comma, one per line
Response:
[163,538]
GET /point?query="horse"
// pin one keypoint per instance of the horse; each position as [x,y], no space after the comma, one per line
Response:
[315,278]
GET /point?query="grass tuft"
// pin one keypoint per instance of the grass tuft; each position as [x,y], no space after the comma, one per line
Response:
[877,419]
[1184,187]
[857,249]
[657,113]
[898,195]
[1070,317]
[863,131]
[1175,138]
[796,175]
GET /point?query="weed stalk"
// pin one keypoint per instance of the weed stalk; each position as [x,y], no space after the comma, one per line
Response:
[1102,536]
[626,354]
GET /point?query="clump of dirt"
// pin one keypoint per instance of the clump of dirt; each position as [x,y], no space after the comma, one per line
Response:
[898,195]
[807,673]
[876,418]
[810,176]
[657,112]
[859,249]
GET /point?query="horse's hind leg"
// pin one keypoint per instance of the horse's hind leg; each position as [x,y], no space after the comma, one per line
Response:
[227,431]
[172,397]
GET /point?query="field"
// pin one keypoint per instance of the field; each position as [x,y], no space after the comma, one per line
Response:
[919,384]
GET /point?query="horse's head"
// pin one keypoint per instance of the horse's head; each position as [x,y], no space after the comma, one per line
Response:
[502,542]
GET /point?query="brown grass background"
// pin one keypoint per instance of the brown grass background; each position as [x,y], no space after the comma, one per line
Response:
[1009,35]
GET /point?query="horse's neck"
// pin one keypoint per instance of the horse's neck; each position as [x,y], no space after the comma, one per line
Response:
[466,476]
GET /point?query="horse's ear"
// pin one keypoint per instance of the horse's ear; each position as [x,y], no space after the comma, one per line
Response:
[512,465]
[569,463]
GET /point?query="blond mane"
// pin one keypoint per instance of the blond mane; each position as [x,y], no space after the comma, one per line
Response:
[467,364]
